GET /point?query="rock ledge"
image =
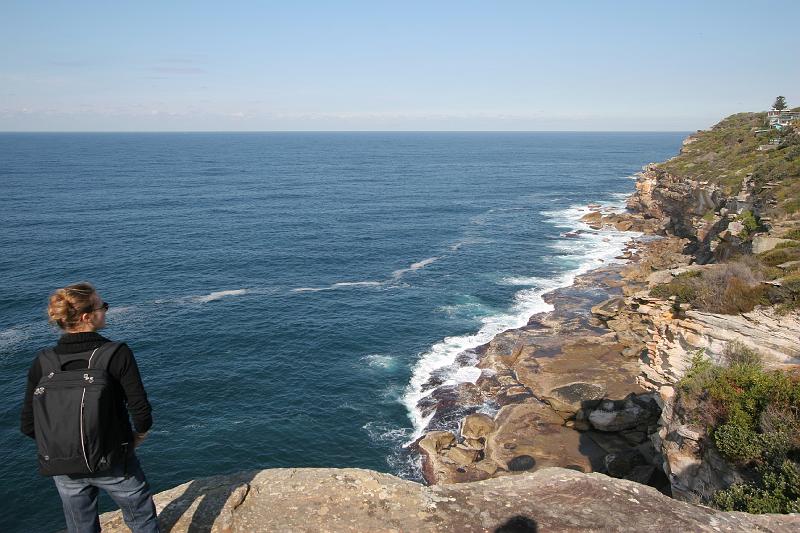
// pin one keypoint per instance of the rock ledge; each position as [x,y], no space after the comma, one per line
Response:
[327,499]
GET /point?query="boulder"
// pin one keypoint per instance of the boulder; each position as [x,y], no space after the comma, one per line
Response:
[593,217]
[610,417]
[351,500]
[609,308]
[477,426]
[764,243]
[659,277]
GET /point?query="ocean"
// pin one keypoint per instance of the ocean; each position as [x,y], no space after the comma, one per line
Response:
[288,294]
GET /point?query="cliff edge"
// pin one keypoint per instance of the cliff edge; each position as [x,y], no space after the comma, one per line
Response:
[329,499]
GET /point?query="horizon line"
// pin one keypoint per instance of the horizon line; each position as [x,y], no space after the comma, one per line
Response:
[345,131]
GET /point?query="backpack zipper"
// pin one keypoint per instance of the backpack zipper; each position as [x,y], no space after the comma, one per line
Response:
[83,445]
[83,395]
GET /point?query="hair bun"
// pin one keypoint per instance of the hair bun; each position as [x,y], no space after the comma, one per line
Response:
[68,303]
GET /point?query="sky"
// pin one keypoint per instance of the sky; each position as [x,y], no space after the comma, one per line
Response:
[381,66]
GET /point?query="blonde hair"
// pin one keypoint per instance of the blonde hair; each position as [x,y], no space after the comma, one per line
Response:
[69,303]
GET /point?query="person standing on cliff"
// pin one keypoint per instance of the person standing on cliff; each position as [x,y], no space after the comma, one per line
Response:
[80,312]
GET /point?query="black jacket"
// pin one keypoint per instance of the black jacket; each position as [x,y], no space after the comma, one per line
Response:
[129,391]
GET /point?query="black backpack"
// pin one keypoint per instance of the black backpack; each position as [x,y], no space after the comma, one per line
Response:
[75,417]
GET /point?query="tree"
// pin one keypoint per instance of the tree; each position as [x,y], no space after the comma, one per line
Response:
[780,104]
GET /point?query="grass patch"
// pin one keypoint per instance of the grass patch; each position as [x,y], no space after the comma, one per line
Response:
[792,234]
[780,255]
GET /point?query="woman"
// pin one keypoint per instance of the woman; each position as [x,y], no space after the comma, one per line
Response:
[79,311]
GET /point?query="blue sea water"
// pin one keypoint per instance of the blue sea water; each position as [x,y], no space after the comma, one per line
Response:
[287,294]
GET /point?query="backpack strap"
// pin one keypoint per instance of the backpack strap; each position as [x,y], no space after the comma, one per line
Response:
[49,361]
[102,355]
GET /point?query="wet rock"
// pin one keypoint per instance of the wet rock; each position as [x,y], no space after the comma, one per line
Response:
[592,218]
[521,463]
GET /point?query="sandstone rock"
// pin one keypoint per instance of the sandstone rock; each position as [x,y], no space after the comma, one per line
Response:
[462,455]
[592,217]
[609,308]
[477,426]
[764,243]
[659,277]
[353,500]
[574,396]
[736,227]
[534,429]
[435,441]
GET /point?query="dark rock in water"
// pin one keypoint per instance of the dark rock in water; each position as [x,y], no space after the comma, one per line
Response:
[521,463]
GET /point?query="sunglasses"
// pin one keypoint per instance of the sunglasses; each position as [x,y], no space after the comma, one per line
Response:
[103,306]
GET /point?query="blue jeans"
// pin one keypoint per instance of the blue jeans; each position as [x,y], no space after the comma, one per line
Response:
[126,485]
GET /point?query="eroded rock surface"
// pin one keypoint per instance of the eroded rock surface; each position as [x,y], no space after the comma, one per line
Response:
[353,500]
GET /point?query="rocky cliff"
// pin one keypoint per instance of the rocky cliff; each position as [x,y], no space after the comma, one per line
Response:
[571,388]
[333,500]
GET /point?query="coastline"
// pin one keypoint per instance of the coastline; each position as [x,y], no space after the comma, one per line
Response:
[454,360]
[542,377]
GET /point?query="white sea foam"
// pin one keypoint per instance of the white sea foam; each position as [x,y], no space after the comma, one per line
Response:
[357,284]
[397,274]
[377,360]
[385,432]
[589,250]
[339,285]
[219,295]
[13,337]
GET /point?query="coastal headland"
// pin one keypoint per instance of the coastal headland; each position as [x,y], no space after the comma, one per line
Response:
[581,419]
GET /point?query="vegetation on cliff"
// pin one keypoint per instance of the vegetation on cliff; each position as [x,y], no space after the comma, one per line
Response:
[753,420]
[740,284]
[744,144]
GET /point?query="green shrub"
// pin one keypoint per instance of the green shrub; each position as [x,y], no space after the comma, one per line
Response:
[753,419]
[777,491]
[750,222]
[737,443]
[792,234]
[736,353]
